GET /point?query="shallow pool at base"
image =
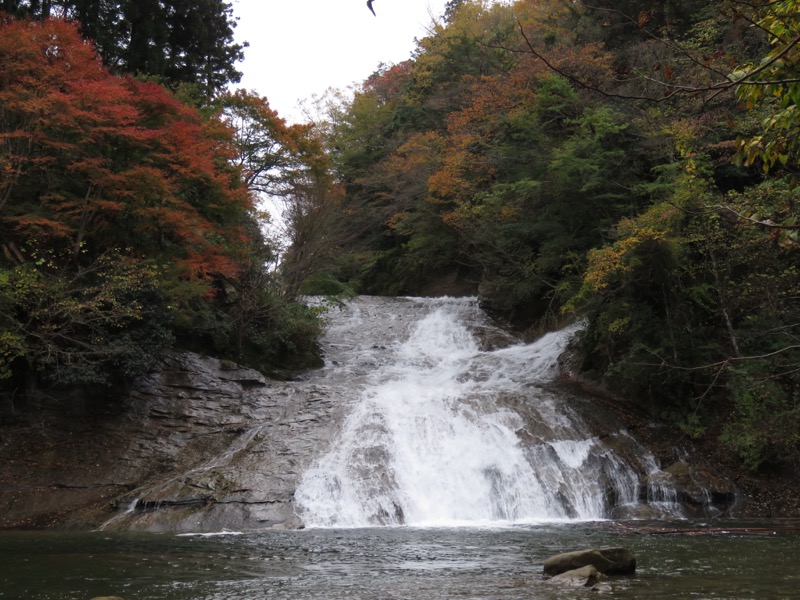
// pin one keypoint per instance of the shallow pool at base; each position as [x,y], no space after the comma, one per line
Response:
[389,563]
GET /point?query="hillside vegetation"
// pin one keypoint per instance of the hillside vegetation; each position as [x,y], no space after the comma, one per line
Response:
[128,216]
[631,162]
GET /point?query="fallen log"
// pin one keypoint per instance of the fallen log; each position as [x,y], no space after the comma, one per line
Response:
[645,530]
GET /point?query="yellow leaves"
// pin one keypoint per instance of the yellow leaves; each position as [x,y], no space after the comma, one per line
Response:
[619,326]
[609,264]
[399,222]
[449,184]
[421,152]
[685,134]
[774,84]
[509,213]
[602,262]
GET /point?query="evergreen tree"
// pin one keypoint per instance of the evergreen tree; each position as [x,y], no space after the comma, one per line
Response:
[176,41]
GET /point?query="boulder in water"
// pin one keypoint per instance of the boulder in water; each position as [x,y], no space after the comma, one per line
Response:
[609,561]
[586,576]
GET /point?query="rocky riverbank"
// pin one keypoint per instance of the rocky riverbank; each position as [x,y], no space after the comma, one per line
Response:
[759,495]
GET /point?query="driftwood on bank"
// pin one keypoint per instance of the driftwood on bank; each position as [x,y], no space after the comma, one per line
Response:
[735,530]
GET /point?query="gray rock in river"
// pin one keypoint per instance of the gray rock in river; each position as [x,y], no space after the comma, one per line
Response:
[609,561]
[586,576]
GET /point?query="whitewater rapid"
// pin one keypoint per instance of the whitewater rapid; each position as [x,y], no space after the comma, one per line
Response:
[430,436]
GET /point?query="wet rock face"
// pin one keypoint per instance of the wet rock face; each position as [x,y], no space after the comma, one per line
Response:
[202,445]
[231,443]
[695,484]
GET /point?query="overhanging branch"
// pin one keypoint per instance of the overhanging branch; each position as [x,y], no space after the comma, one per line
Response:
[672,90]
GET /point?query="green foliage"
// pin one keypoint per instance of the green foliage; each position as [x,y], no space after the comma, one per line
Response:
[560,196]
[774,79]
[328,286]
[764,427]
[697,318]
[93,325]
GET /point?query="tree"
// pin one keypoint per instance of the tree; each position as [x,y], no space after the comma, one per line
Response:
[97,323]
[174,40]
[775,82]
[119,210]
[287,165]
[273,157]
[107,160]
[200,48]
[692,311]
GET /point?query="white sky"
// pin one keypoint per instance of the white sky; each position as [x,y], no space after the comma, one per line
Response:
[300,48]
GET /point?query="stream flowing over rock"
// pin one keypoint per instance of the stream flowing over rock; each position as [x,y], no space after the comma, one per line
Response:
[425,413]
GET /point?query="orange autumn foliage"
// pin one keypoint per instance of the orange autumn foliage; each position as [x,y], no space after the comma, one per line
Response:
[96,161]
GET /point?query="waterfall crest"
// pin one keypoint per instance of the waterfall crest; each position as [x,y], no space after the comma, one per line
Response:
[434,432]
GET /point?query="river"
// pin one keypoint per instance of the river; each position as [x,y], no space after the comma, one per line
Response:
[388,563]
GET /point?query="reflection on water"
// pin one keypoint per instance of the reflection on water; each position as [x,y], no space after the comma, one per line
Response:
[387,563]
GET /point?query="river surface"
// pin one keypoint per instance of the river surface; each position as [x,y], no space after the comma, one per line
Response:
[389,563]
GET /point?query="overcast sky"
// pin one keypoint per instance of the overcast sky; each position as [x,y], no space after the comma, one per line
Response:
[299,48]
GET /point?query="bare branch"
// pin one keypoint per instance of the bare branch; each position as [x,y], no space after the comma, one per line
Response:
[722,363]
[671,90]
[763,223]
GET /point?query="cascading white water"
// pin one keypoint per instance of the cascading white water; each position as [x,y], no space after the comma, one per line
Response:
[431,437]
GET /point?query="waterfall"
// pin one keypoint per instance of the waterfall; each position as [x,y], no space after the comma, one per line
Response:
[450,421]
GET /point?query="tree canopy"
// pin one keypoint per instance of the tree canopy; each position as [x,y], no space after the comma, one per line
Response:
[174,40]
[128,220]
[633,164]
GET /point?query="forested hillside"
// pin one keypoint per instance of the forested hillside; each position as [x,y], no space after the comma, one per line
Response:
[128,216]
[633,163]
[630,163]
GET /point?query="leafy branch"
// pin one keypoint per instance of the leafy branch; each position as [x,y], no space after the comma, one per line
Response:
[674,89]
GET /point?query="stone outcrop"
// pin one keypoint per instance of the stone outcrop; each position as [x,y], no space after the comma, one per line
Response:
[695,485]
[608,561]
[201,445]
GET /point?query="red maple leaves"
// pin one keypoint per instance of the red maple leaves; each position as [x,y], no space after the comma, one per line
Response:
[92,160]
